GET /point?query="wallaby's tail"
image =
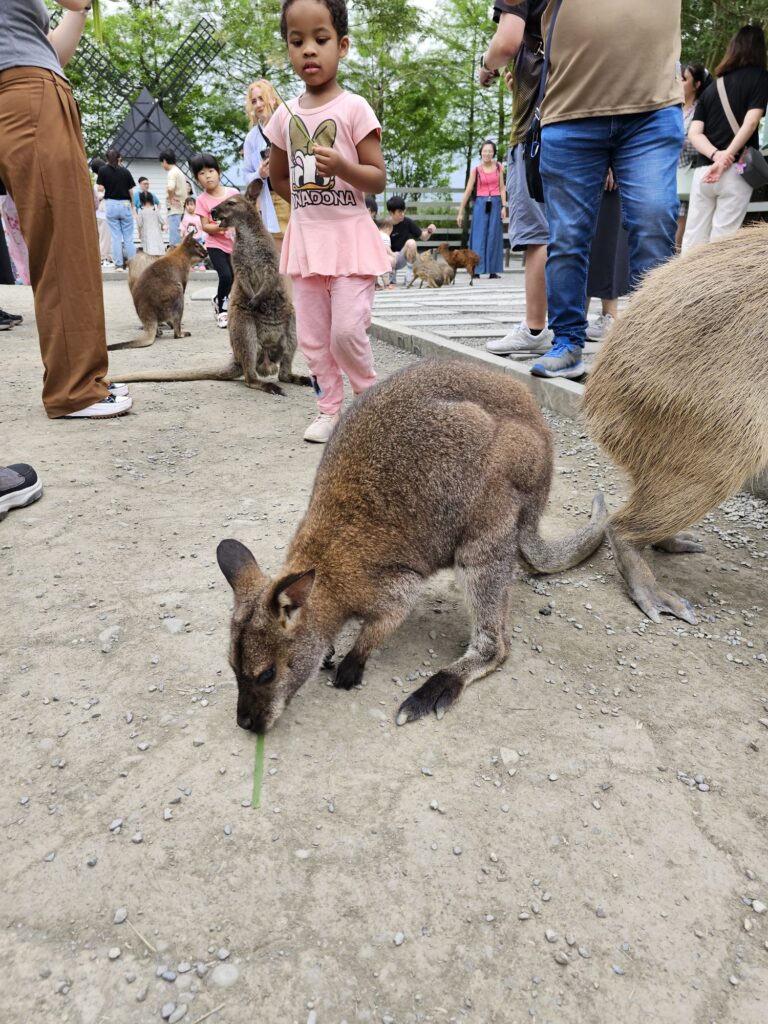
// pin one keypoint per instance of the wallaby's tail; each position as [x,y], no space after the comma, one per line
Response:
[230,371]
[550,556]
[147,339]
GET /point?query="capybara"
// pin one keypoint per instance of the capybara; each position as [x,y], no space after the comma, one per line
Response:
[679,399]
[443,464]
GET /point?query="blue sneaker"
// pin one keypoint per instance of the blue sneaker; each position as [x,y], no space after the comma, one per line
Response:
[563,360]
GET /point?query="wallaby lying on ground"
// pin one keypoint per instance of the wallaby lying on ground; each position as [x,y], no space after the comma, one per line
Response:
[466,258]
[262,328]
[158,291]
[681,404]
[443,464]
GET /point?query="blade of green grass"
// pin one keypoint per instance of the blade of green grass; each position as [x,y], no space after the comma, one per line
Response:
[98,28]
[258,772]
[296,121]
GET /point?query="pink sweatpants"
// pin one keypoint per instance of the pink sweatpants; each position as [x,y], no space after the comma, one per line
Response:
[333,315]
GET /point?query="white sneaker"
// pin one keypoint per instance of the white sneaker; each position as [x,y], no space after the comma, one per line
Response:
[119,390]
[320,430]
[521,344]
[112,405]
[222,319]
[19,487]
[599,327]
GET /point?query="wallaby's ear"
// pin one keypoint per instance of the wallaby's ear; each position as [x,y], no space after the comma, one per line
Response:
[237,563]
[291,593]
[253,191]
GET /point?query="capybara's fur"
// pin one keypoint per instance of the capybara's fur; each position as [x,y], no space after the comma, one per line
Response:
[444,464]
[679,394]
[456,258]
[158,291]
[262,329]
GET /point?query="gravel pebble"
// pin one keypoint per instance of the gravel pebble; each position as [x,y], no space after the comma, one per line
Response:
[166,1010]
[223,953]
[561,958]
[550,935]
[758,907]
[398,939]
[114,953]
[224,975]
[178,1013]
[120,915]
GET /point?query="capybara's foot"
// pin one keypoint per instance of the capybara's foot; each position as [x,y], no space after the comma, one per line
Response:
[681,544]
[644,589]
[350,672]
[437,694]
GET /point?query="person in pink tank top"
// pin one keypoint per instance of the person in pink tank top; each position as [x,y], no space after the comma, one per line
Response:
[489,211]
[325,155]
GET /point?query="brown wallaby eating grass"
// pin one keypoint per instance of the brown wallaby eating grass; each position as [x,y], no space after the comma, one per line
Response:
[443,464]
[680,402]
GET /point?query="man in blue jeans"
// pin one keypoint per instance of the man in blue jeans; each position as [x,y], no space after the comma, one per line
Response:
[613,100]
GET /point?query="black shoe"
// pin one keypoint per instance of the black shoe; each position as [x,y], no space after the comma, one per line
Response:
[494,276]
[10,318]
[19,486]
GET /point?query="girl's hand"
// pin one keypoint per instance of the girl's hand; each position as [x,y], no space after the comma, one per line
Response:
[460,217]
[329,162]
[264,168]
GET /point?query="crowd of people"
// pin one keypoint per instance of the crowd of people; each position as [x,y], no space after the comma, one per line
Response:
[623,132]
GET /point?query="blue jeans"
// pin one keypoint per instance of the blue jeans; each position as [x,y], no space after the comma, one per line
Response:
[642,150]
[174,228]
[120,221]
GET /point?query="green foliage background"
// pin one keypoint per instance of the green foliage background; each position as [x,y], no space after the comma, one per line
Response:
[416,66]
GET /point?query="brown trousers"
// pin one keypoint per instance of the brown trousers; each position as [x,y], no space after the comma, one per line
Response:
[42,162]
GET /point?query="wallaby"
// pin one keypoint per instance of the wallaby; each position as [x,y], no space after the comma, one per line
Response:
[426,271]
[262,327]
[449,272]
[137,265]
[456,258]
[443,464]
[680,402]
[158,291]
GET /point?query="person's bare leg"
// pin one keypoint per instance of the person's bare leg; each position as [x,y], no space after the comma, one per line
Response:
[681,221]
[536,287]
[610,307]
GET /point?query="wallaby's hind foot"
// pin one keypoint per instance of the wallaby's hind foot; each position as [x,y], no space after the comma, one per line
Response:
[558,555]
[437,694]
[680,544]
[264,385]
[328,657]
[644,589]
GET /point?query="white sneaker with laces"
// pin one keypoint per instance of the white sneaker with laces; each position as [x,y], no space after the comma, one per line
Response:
[320,429]
[112,405]
[599,327]
[222,319]
[118,389]
[521,344]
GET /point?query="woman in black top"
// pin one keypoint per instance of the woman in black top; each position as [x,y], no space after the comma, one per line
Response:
[118,192]
[719,194]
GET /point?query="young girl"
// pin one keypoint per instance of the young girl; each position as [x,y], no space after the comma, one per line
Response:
[191,222]
[150,226]
[326,153]
[218,240]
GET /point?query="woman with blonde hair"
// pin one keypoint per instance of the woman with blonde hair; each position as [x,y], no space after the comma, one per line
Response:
[261,101]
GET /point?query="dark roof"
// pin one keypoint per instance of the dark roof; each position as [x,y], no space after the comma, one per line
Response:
[147,130]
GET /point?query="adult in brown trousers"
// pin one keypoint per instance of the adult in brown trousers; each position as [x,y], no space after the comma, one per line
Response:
[42,162]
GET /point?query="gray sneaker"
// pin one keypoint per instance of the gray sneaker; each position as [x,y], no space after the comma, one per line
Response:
[598,329]
[563,361]
[521,344]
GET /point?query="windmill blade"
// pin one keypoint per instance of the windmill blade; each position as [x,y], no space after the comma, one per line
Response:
[193,56]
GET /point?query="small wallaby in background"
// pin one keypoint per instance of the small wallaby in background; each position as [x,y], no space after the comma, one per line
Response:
[443,464]
[262,328]
[688,426]
[426,270]
[449,272]
[158,291]
[456,258]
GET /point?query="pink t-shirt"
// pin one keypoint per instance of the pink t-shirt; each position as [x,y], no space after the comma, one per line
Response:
[330,232]
[203,206]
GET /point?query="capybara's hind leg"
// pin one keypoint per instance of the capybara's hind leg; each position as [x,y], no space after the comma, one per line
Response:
[488,565]
[644,589]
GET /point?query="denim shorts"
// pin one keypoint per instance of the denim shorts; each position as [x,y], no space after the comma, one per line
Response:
[527,223]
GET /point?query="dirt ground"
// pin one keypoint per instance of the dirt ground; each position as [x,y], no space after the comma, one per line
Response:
[583,838]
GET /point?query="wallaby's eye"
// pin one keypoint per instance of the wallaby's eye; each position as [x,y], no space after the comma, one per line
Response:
[266,676]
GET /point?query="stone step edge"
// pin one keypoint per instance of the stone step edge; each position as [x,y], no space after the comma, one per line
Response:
[562,397]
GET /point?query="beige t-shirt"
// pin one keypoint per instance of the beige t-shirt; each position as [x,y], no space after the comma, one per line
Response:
[612,57]
[177,189]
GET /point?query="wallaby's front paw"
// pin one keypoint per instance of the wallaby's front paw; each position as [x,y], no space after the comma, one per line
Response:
[437,694]
[349,673]
[186,334]
[328,657]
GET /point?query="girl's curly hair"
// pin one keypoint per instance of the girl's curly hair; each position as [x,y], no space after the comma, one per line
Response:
[338,12]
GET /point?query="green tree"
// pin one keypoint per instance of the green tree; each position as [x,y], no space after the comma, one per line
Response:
[709,24]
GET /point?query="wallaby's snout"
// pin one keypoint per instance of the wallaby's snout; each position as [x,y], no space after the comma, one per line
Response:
[273,649]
